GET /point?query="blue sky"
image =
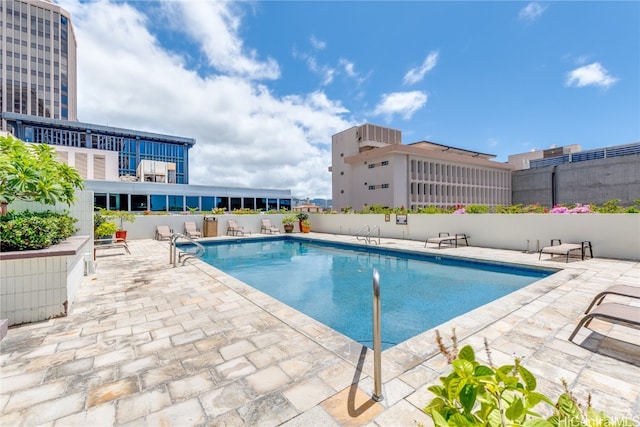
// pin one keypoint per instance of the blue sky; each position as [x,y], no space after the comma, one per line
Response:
[262,86]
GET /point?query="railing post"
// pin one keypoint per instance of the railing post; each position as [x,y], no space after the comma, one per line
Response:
[377,340]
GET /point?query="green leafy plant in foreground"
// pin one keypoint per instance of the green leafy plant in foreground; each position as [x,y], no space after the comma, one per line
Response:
[476,394]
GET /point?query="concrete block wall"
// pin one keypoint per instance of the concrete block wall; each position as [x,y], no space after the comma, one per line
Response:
[592,181]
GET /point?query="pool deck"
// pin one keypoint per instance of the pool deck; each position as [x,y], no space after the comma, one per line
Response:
[149,344]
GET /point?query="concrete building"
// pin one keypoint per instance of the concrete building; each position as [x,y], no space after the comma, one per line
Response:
[37,60]
[592,176]
[371,166]
[523,160]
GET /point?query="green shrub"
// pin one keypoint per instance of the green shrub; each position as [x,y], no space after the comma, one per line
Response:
[34,230]
[477,209]
[474,394]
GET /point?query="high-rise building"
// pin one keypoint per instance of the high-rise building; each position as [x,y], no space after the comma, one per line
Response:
[37,60]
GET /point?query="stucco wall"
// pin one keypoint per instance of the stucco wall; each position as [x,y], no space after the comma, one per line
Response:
[612,235]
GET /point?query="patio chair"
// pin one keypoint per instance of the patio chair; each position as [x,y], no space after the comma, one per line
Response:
[267,228]
[191,230]
[610,312]
[163,232]
[448,239]
[567,248]
[623,290]
[234,228]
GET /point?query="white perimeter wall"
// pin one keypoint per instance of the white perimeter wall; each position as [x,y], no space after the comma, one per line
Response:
[612,235]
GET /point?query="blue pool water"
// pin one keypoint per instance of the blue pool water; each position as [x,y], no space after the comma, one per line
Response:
[333,284]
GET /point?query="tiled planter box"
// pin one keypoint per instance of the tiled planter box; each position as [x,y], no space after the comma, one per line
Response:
[36,285]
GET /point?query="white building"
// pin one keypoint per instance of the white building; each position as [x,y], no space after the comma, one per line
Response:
[371,166]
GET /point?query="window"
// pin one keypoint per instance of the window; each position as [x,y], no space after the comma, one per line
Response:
[119,202]
[139,202]
[207,203]
[236,203]
[261,204]
[100,200]
[158,202]
[222,203]
[176,203]
[285,204]
[249,203]
[193,202]
[385,163]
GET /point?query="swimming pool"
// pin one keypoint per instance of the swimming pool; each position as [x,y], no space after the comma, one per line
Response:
[332,283]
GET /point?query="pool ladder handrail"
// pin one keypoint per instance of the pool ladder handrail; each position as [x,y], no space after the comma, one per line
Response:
[183,255]
[367,237]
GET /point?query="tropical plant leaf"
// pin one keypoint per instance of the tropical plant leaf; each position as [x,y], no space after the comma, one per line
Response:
[463,368]
[515,410]
[467,353]
[528,378]
[468,397]
[482,371]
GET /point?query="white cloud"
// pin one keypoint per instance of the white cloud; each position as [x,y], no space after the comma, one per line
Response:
[590,75]
[415,75]
[531,12]
[317,44]
[245,136]
[403,103]
[214,26]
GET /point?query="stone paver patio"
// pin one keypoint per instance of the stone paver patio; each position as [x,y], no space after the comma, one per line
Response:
[149,344]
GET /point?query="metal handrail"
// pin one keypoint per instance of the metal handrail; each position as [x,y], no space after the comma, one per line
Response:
[375,227]
[367,237]
[377,340]
[173,259]
[360,236]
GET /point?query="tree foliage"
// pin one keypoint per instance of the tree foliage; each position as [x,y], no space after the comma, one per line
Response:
[31,172]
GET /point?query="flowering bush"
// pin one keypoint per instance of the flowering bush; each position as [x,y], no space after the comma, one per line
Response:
[578,208]
[460,211]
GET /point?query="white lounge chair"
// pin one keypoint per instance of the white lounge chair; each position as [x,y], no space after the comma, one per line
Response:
[191,230]
[235,229]
[163,232]
[268,228]
[566,248]
[448,239]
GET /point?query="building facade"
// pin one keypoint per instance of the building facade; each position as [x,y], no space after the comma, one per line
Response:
[132,146]
[371,166]
[37,60]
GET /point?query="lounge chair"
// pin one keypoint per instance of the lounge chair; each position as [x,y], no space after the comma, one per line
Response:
[191,230]
[448,239]
[235,229]
[268,228]
[610,312]
[623,290]
[110,243]
[567,248]
[163,232]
